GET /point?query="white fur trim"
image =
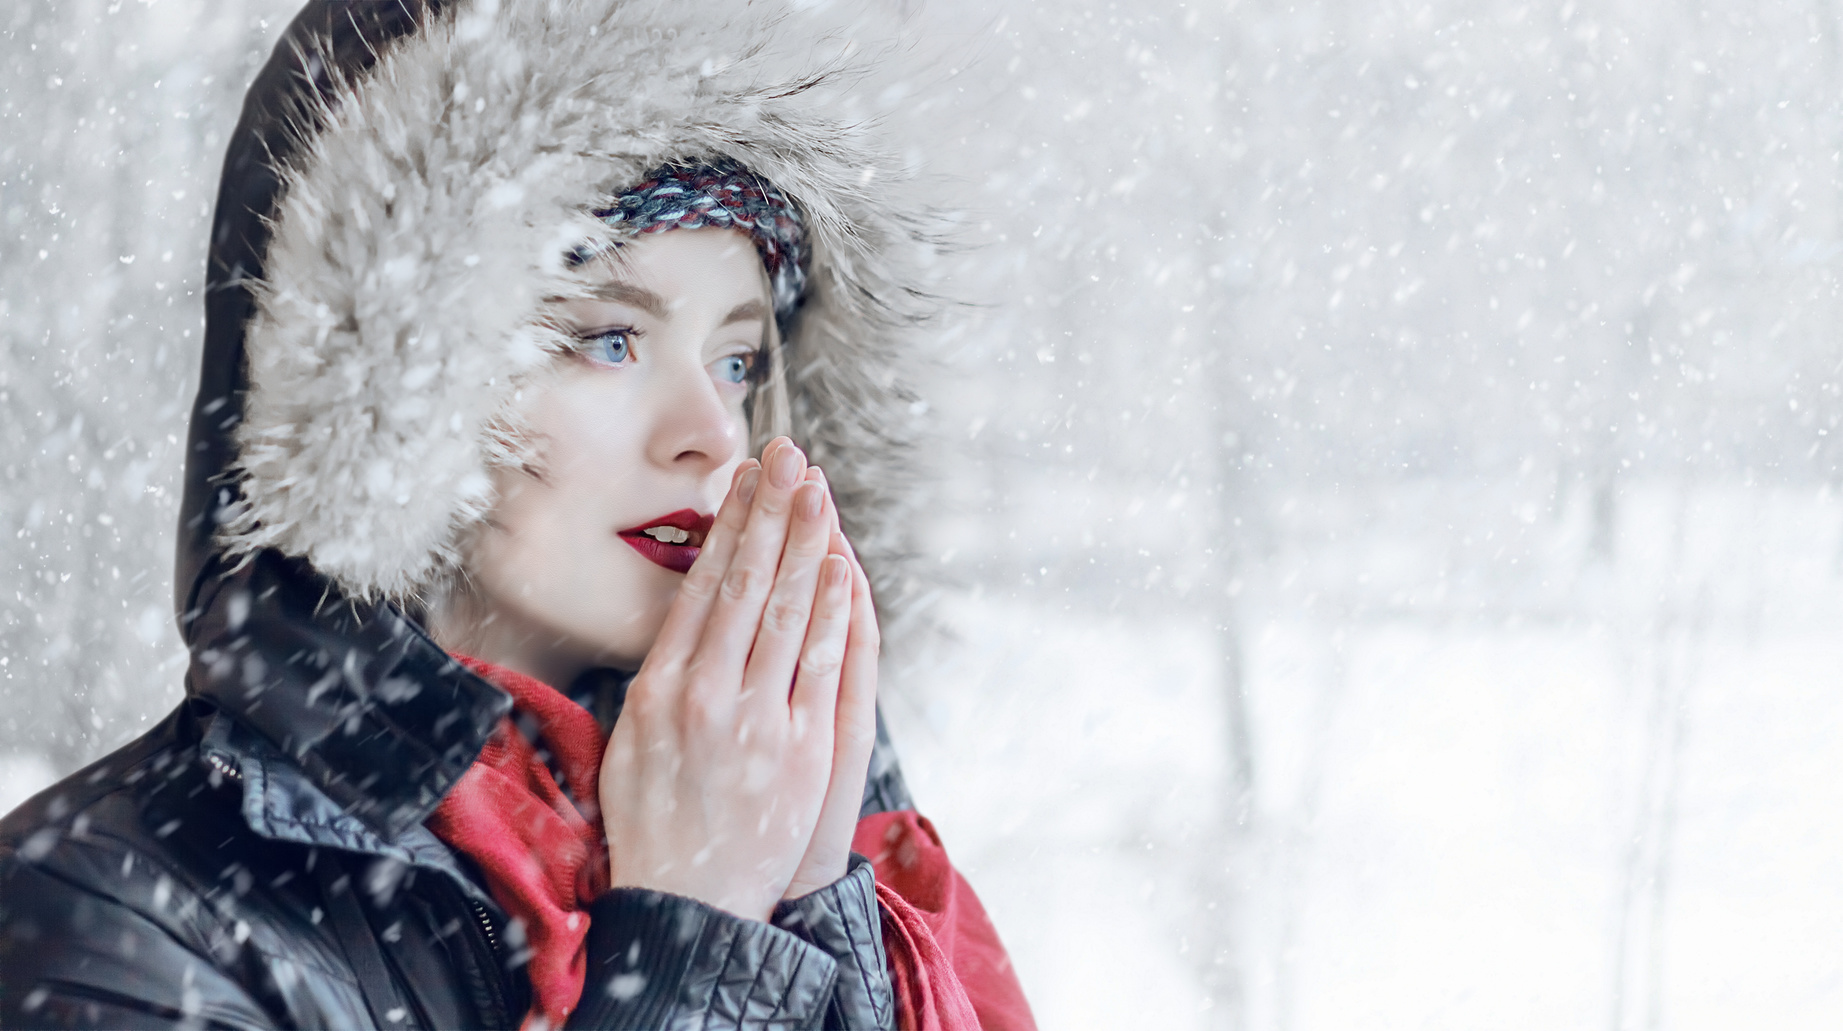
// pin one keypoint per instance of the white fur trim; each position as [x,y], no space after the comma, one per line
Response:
[420,229]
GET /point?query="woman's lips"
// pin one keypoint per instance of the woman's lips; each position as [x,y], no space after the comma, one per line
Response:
[676,557]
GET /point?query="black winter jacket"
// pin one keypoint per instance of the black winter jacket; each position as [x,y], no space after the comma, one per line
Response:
[259,858]
[203,877]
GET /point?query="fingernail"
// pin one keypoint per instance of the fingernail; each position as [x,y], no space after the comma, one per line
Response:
[774,446]
[786,467]
[835,571]
[746,489]
[742,469]
[810,500]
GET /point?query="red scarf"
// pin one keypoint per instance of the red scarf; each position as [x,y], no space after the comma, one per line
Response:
[544,862]
[542,855]
[951,972]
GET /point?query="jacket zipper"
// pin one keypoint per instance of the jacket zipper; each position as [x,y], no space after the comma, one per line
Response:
[494,968]
[486,926]
[481,916]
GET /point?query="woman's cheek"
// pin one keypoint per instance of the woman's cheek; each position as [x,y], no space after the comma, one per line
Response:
[620,612]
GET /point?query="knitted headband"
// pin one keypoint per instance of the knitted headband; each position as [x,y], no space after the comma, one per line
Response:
[721,194]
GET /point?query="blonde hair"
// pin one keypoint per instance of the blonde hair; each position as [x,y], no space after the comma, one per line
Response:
[770,413]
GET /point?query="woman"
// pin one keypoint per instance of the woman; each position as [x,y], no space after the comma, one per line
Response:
[501,301]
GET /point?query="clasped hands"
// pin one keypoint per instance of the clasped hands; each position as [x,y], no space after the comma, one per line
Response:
[737,769]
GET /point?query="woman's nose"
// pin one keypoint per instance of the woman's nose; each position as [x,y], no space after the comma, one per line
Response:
[694,426]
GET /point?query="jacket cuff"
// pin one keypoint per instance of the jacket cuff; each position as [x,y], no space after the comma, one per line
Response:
[843,920]
[666,961]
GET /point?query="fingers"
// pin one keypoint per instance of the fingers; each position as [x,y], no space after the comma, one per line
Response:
[822,652]
[741,595]
[857,701]
[684,622]
[854,737]
[784,619]
[720,543]
[855,733]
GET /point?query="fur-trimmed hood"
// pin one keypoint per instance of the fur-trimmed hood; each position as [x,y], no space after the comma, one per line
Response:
[397,201]
[425,182]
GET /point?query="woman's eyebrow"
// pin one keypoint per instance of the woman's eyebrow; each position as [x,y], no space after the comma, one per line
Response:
[752,310]
[747,311]
[640,297]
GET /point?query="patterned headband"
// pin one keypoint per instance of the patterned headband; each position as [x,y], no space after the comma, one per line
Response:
[721,194]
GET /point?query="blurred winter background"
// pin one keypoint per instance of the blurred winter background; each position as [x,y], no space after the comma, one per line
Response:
[1394,483]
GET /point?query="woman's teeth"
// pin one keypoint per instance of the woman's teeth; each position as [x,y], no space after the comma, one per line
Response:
[667,534]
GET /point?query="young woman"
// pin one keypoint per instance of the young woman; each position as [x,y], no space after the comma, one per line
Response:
[521,694]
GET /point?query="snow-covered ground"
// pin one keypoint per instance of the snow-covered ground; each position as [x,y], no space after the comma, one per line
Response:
[1624,813]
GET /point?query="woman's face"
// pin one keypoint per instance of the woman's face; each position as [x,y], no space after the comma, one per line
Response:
[642,432]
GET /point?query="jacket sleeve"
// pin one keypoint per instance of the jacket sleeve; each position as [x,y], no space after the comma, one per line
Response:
[74,953]
[843,920]
[657,960]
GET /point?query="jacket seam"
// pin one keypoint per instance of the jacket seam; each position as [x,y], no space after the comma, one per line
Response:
[96,993]
[196,925]
[768,958]
[89,991]
[852,944]
[729,954]
[69,880]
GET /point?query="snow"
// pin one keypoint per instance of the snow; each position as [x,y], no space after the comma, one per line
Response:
[22,775]
[1448,801]
[1458,380]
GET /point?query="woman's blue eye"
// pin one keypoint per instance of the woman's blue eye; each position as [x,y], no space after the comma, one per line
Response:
[612,347]
[735,368]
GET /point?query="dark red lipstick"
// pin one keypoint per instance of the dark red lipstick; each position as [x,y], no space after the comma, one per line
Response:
[674,555]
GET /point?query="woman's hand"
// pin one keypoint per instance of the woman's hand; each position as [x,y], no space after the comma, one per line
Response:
[854,737]
[717,772]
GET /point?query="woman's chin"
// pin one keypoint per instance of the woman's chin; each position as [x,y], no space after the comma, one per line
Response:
[619,637]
